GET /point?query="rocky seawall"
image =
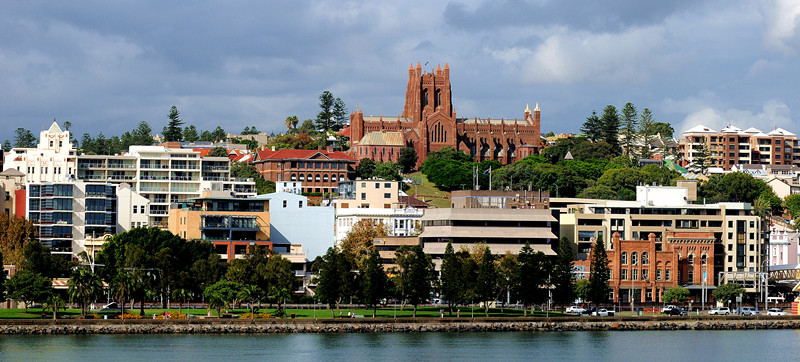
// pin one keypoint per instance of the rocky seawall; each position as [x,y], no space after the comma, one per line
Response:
[43,327]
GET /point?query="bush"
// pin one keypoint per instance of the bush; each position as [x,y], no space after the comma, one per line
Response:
[128,316]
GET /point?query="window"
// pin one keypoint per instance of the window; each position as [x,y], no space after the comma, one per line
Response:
[284,203]
[668,274]
[300,204]
[645,260]
[635,274]
[363,196]
[658,274]
[645,274]
[624,274]
[690,275]
[134,209]
[141,208]
[377,185]
[387,185]
[387,195]
[704,259]
[634,258]
[623,258]
[690,259]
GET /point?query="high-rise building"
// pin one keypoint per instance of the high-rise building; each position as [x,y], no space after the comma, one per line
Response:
[734,146]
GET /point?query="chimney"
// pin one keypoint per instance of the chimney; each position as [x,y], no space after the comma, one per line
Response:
[329,149]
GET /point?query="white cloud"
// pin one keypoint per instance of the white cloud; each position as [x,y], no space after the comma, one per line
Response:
[569,57]
[782,19]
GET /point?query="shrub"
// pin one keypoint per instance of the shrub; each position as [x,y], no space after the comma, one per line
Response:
[128,316]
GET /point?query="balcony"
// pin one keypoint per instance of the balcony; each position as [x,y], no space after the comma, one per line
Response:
[216,168]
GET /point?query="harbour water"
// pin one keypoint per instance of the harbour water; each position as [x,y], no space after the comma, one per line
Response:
[780,345]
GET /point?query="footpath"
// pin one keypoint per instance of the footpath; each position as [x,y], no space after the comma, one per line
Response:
[368,325]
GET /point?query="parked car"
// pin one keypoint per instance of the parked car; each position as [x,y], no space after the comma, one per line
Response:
[748,311]
[719,311]
[576,309]
[676,311]
[113,306]
[667,308]
[776,311]
[602,312]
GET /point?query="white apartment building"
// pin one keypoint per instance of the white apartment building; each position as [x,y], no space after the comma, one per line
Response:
[164,176]
[734,146]
[378,200]
[53,160]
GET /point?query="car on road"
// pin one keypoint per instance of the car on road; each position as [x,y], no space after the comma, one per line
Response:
[602,312]
[776,311]
[575,309]
[667,308]
[676,311]
[748,311]
[719,311]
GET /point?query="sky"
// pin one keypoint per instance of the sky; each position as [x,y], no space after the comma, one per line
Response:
[107,65]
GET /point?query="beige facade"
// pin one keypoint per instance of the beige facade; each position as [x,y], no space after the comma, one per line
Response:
[376,194]
[11,180]
[738,247]
[52,161]
[387,245]
[502,230]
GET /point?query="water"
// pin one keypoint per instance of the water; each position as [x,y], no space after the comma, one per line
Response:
[780,345]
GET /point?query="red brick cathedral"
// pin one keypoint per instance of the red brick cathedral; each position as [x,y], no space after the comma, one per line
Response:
[429,123]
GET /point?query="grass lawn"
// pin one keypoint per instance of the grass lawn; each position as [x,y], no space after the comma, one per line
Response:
[428,189]
[35,313]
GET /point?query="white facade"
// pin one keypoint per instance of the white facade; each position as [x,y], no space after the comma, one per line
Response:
[131,208]
[165,176]
[294,187]
[662,195]
[293,221]
[401,222]
[52,161]
[783,246]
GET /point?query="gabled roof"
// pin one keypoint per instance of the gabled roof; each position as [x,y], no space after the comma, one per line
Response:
[382,139]
[781,132]
[752,130]
[54,128]
[731,129]
[290,154]
[344,132]
[699,129]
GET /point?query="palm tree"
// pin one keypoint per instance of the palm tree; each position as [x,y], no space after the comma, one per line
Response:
[53,302]
[252,294]
[84,286]
[291,122]
[181,295]
[123,288]
[280,294]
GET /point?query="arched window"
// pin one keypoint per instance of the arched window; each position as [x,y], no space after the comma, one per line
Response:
[324,178]
[645,258]
[690,259]
[302,177]
[704,259]
[623,258]
[341,177]
[634,258]
[294,177]
[309,178]
[316,177]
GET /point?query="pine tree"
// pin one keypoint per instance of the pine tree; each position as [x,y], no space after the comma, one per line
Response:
[173,132]
[453,287]
[599,274]
[646,132]
[533,270]
[609,126]
[374,283]
[591,128]
[700,157]
[487,279]
[416,278]
[190,134]
[630,126]
[562,276]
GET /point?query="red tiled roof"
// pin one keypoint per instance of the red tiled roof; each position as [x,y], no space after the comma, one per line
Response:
[203,151]
[301,154]
[344,132]
[413,202]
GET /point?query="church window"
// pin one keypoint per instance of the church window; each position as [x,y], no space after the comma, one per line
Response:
[425,98]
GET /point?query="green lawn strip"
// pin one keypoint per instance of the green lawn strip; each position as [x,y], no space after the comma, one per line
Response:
[427,188]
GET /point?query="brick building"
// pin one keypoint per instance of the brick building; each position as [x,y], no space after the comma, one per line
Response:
[318,170]
[642,271]
[429,122]
[734,146]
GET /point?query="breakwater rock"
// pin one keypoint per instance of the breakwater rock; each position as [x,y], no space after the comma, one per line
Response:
[221,326]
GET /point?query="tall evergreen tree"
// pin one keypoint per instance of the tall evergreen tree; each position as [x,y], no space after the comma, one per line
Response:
[486,287]
[6,146]
[416,278]
[452,286]
[609,124]
[190,134]
[599,275]
[332,112]
[700,157]
[629,128]
[562,276]
[23,138]
[646,132]
[591,128]
[532,276]
[339,113]
[173,132]
[374,282]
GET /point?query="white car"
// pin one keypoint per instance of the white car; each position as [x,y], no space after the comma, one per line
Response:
[748,311]
[668,308]
[602,312]
[719,311]
[575,309]
[776,311]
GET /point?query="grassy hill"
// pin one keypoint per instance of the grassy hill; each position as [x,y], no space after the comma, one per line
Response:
[426,191]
